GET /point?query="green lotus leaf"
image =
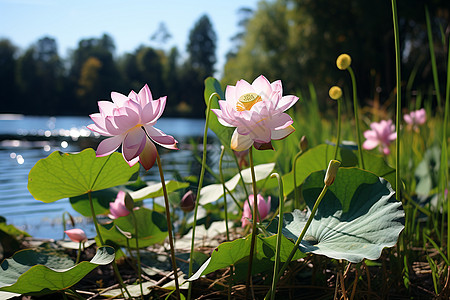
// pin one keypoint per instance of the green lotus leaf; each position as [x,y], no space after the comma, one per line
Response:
[357,218]
[213,192]
[156,190]
[152,229]
[34,273]
[222,132]
[237,253]
[64,175]
[317,158]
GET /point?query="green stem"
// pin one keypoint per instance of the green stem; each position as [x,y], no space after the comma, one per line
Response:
[226,213]
[280,226]
[255,218]
[338,137]
[200,184]
[355,108]
[169,226]
[242,178]
[444,159]
[398,183]
[78,253]
[300,238]
[433,58]
[116,269]
[138,255]
[294,170]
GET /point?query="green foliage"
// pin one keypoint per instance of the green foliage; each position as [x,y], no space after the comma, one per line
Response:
[152,229]
[62,175]
[356,219]
[236,253]
[156,190]
[30,272]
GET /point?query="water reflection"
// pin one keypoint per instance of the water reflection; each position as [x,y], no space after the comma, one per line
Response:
[24,140]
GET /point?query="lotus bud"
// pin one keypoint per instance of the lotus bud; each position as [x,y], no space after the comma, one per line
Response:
[187,203]
[76,235]
[304,143]
[335,92]
[331,172]
[129,202]
[343,61]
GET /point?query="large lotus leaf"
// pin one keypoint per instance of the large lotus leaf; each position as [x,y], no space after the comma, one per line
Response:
[317,158]
[30,272]
[213,192]
[152,229]
[222,132]
[64,175]
[156,190]
[100,201]
[357,218]
[237,251]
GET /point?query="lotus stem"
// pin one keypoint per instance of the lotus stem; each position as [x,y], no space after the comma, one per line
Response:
[445,154]
[200,184]
[300,238]
[433,58]
[280,225]
[254,221]
[116,269]
[138,255]
[338,136]
[78,253]
[355,108]
[169,226]
[294,170]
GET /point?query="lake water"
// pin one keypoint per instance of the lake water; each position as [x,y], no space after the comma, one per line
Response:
[26,139]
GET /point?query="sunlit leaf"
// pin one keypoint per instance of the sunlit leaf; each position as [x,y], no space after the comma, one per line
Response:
[152,229]
[156,190]
[237,252]
[214,192]
[357,218]
[317,158]
[30,272]
[64,175]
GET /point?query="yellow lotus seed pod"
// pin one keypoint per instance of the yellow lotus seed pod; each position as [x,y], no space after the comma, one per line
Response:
[343,61]
[335,92]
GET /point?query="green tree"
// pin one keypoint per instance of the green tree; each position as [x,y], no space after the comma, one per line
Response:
[201,49]
[8,87]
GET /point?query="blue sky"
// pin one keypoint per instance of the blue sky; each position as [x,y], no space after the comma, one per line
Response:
[130,23]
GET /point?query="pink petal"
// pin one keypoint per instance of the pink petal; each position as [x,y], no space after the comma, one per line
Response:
[286,102]
[118,98]
[106,107]
[150,112]
[262,87]
[240,142]
[147,157]
[161,138]
[76,235]
[109,145]
[408,119]
[230,95]
[242,88]
[282,133]
[127,121]
[261,134]
[133,144]
[145,95]
[370,144]
[280,121]
[370,134]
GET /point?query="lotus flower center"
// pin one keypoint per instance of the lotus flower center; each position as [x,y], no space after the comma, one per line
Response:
[246,101]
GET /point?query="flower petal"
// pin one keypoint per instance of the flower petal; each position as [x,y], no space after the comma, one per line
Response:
[262,87]
[147,157]
[118,98]
[133,143]
[145,95]
[240,142]
[109,145]
[282,133]
[370,144]
[161,138]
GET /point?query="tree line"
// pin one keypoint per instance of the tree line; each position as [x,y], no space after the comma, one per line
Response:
[38,81]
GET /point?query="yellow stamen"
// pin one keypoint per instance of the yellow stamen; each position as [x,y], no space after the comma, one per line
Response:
[246,101]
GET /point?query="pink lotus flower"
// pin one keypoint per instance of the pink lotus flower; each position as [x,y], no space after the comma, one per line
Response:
[257,112]
[382,134]
[263,208]
[416,118]
[76,235]
[117,208]
[129,121]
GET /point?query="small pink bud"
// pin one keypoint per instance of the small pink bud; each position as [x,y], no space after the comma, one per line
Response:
[117,208]
[76,235]
[187,203]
